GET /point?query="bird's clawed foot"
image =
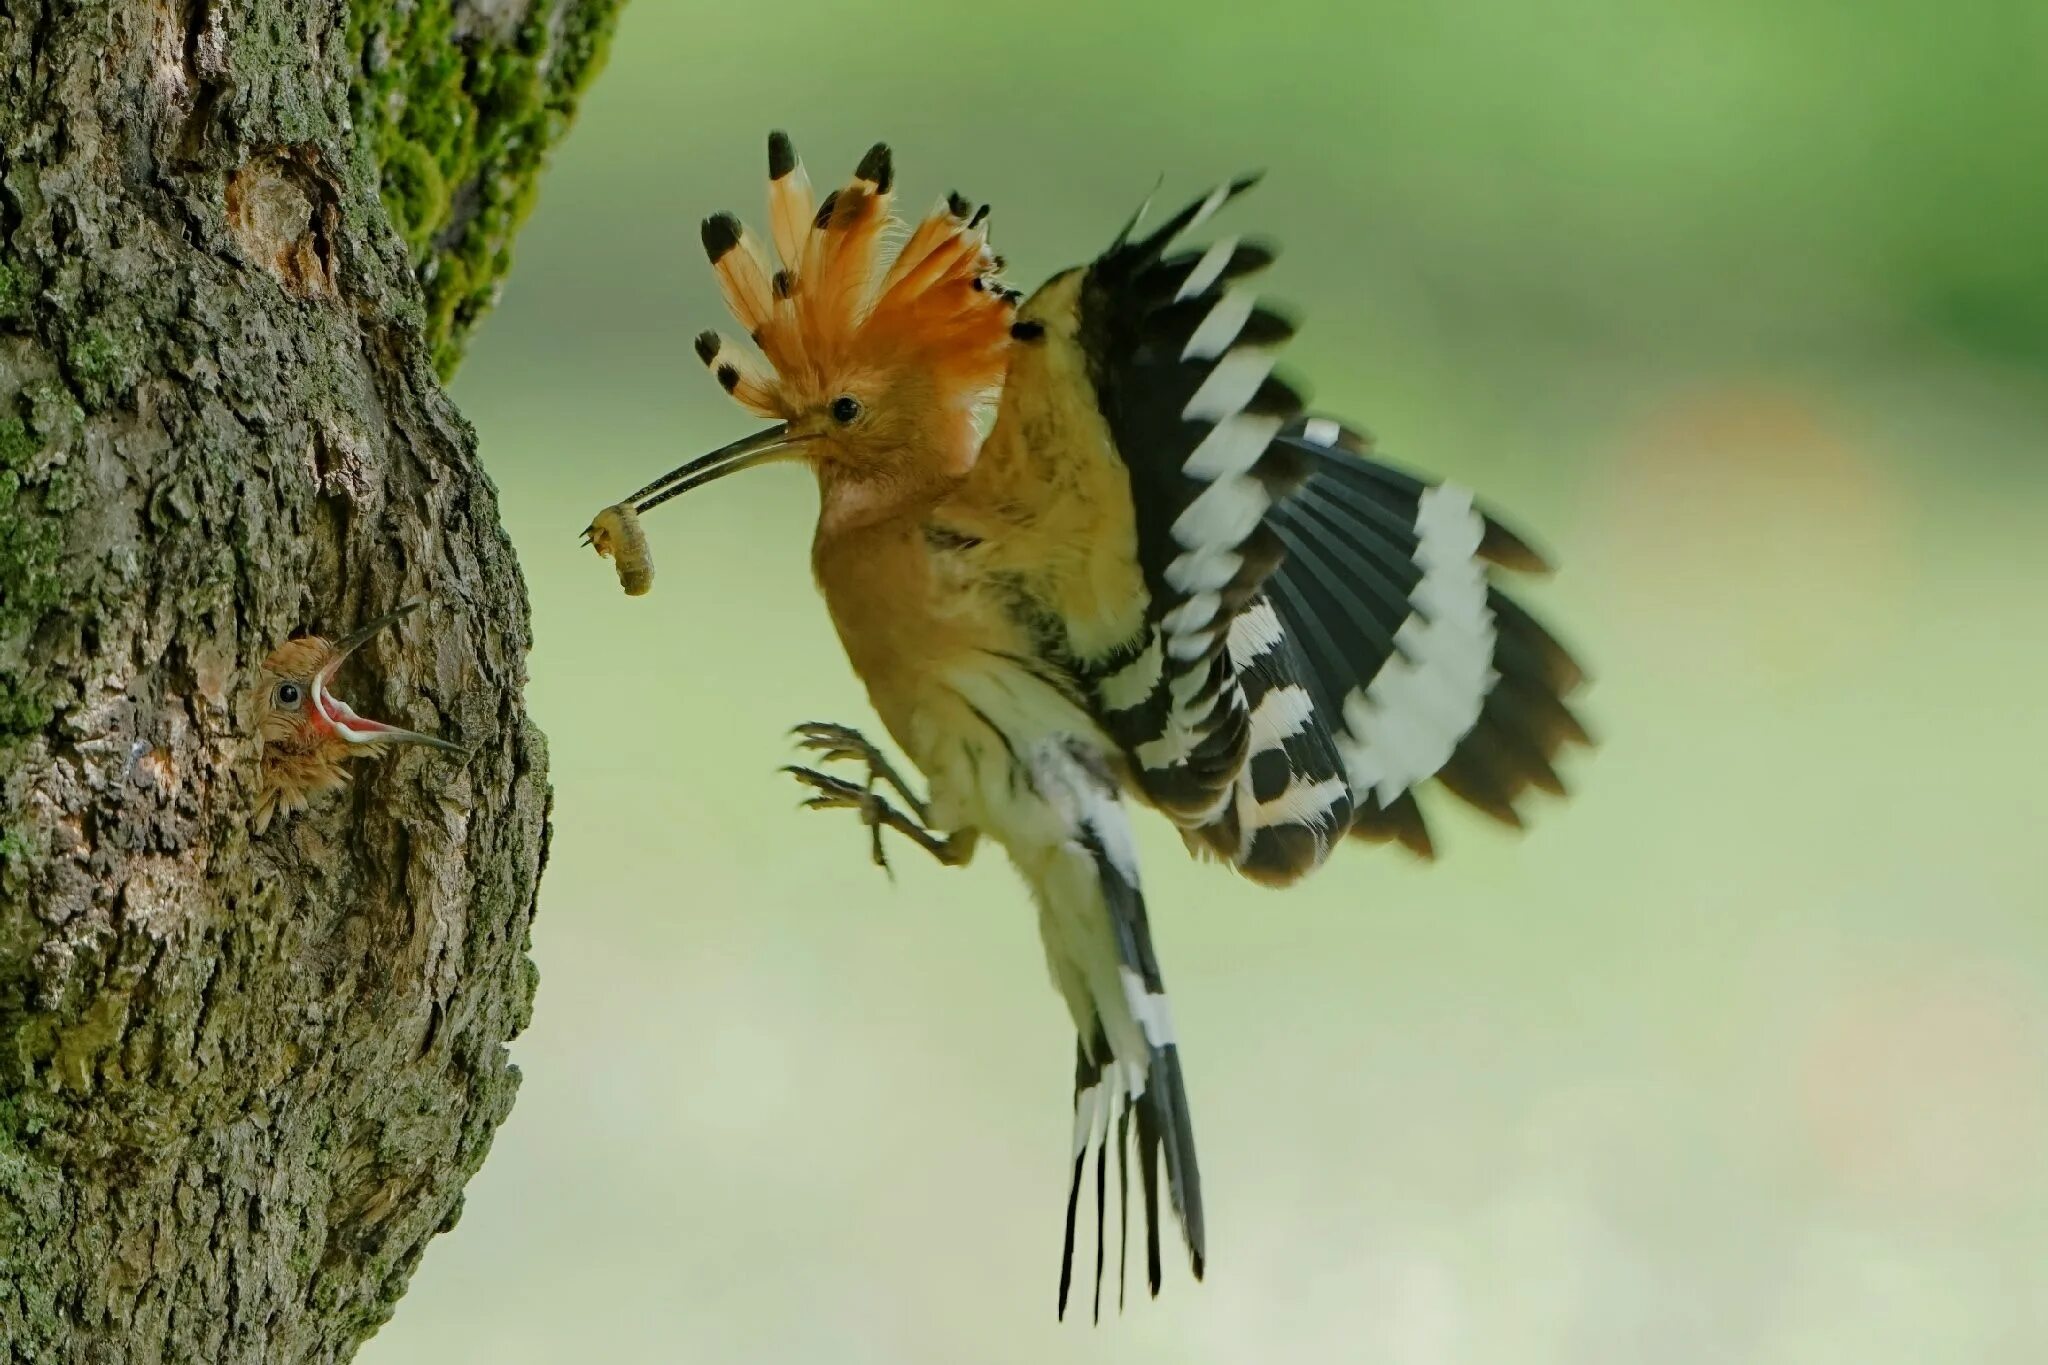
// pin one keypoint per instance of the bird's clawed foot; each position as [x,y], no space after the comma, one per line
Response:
[836,742]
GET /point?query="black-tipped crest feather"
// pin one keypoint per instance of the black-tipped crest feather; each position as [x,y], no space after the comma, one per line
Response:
[781,155]
[721,234]
[878,168]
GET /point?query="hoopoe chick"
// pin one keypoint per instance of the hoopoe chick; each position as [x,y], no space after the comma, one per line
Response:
[1159,576]
[308,732]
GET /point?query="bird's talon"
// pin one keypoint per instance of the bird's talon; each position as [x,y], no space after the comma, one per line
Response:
[835,793]
[843,743]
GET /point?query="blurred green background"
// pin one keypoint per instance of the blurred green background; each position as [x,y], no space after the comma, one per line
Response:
[1741,1055]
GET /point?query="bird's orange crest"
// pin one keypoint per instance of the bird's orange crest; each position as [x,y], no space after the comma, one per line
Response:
[832,316]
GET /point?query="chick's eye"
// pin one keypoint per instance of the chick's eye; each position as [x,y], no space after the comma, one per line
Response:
[845,408]
[287,694]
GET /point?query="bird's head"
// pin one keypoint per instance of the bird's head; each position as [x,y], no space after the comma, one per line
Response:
[875,374]
[307,731]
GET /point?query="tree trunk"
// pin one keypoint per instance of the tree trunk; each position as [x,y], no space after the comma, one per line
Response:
[244,1078]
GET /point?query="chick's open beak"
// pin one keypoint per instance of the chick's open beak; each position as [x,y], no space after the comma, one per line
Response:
[353,728]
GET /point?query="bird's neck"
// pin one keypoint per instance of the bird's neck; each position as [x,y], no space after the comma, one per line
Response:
[876,578]
[902,485]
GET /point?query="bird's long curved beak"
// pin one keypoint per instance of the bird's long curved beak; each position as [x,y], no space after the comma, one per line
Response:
[763,447]
[357,729]
[355,640]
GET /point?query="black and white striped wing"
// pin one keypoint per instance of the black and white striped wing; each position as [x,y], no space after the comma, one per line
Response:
[1379,656]
[1291,801]
[1323,633]
[1419,665]
[1181,359]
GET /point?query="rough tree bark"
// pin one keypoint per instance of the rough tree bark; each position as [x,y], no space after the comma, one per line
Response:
[244,1079]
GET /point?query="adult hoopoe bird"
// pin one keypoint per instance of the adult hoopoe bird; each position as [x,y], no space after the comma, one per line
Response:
[1157,575]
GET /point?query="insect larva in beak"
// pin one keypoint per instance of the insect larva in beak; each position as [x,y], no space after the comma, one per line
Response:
[615,533]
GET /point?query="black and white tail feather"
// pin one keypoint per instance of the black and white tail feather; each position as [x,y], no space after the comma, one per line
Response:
[1127,1074]
[1323,635]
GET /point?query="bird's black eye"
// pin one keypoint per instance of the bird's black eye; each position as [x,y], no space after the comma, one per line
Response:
[287,694]
[845,408]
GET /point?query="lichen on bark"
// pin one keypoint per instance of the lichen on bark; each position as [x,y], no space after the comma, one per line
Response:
[243,1079]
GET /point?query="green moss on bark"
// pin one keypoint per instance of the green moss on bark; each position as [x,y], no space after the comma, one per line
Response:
[102,360]
[458,123]
[14,293]
[31,1210]
[29,582]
